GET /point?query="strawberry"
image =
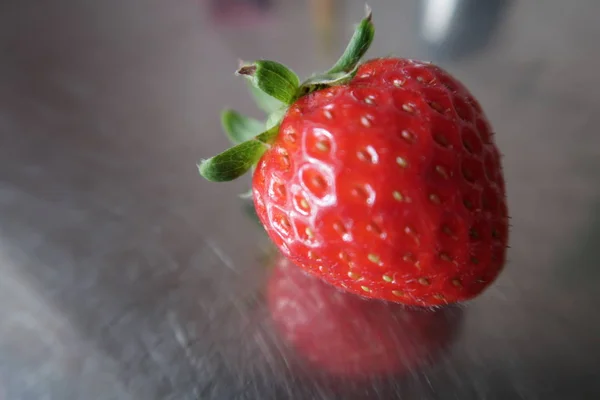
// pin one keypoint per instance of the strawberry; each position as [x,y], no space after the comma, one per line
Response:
[344,335]
[382,178]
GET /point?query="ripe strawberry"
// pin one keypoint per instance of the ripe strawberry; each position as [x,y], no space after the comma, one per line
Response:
[347,336]
[382,179]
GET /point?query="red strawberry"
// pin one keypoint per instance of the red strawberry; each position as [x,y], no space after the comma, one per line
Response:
[385,182]
[347,336]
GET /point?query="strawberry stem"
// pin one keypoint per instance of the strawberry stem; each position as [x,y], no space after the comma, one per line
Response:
[265,102]
[240,128]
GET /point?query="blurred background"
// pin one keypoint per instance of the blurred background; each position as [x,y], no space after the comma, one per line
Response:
[124,275]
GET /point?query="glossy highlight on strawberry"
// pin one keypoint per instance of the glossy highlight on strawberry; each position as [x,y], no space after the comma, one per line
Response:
[381,178]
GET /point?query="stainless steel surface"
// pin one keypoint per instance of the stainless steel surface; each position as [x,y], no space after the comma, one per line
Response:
[123,275]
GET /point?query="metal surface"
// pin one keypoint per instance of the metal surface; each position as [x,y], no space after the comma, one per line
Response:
[124,276]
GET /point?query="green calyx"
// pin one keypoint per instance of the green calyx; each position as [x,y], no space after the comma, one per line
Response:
[237,160]
[275,88]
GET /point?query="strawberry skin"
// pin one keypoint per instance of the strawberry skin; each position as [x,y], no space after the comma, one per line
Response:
[389,186]
[347,336]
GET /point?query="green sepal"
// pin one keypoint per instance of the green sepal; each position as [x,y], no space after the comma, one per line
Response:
[275,88]
[273,78]
[236,161]
[319,82]
[240,128]
[265,102]
[358,46]
[275,117]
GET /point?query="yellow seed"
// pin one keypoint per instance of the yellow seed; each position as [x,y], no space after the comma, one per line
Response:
[285,158]
[408,108]
[327,114]
[365,288]
[289,135]
[456,283]
[304,204]
[322,145]
[440,139]
[369,100]
[401,162]
[365,121]
[442,171]
[409,231]
[468,146]
[344,256]
[398,293]
[445,257]
[398,82]
[360,192]
[409,137]
[340,228]
[434,198]
[397,195]
[437,107]
[424,281]
[374,258]
[353,275]
[387,278]
[309,232]
[373,227]
[363,156]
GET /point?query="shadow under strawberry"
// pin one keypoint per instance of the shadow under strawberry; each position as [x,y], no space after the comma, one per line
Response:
[340,335]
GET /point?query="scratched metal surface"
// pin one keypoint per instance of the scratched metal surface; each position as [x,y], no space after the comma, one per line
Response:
[124,276]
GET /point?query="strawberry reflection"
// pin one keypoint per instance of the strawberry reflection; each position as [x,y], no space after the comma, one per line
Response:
[347,336]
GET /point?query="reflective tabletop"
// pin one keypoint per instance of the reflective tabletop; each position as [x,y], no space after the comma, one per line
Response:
[124,275]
